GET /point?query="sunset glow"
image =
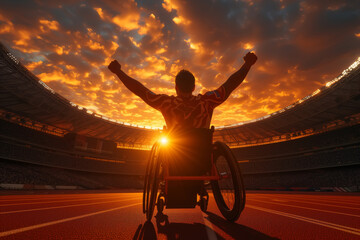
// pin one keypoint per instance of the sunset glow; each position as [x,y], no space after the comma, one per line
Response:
[301,46]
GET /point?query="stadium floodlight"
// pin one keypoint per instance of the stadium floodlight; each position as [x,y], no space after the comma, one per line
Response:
[316,92]
[46,86]
[344,73]
[12,57]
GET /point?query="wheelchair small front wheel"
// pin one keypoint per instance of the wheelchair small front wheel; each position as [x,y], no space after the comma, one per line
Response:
[160,203]
[229,191]
[204,202]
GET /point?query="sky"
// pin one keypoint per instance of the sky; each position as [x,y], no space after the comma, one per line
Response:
[68,44]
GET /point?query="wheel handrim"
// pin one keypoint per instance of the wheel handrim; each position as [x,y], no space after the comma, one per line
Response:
[226,185]
[150,180]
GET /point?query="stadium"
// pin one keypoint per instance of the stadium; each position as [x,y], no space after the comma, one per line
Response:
[313,144]
[49,143]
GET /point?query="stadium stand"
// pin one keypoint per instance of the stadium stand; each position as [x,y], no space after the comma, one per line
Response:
[32,146]
[325,179]
[36,175]
[46,139]
[328,140]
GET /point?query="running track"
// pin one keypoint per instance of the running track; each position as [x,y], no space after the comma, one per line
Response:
[110,215]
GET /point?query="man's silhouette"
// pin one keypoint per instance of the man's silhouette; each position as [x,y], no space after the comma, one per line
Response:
[186,110]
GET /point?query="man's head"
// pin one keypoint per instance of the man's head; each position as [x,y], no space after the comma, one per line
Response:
[184,82]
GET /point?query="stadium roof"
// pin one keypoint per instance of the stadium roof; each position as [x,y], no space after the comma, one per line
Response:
[24,94]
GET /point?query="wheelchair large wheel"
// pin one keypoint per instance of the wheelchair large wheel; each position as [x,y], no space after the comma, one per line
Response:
[151,182]
[229,191]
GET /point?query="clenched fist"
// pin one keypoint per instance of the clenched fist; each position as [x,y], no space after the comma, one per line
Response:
[250,58]
[114,66]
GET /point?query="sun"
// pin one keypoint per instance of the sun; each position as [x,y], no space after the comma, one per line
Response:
[164,140]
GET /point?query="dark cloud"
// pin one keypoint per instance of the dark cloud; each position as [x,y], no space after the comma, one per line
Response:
[93,56]
[75,61]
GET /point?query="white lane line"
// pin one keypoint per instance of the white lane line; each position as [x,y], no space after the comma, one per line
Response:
[347,229]
[65,206]
[317,203]
[313,209]
[55,196]
[48,196]
[209,228]
[66,200]
[332,200]
[64,196]
[19,230]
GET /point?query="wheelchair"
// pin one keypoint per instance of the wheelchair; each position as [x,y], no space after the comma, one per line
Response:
[180,173]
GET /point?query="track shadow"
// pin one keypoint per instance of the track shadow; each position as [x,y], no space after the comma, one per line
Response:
[181,230]
[178,231]
[235,230]
[145,232]
[172,231]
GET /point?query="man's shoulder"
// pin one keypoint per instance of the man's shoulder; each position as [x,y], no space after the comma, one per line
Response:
[218,93]
[152,94]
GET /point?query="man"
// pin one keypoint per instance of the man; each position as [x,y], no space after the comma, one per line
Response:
[186,110]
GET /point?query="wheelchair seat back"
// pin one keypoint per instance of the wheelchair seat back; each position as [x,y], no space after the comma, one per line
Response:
[189,154]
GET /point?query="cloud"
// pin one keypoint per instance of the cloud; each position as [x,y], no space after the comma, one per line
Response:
[300,45]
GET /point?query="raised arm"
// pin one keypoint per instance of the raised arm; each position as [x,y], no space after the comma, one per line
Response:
[133,85]
[238,77]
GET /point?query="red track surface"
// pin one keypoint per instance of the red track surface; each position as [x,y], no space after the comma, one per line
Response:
[99,215]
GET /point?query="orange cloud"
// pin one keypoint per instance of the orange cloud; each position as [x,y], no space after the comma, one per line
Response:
[169,5]
[47,25]
[58,75]
[31,66]
[7,26]
[100,12]
[152,27]
[128,21]
[181,20]
[248,46]
[134,42]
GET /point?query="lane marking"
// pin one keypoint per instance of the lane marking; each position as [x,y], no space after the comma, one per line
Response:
[347,229]
[64,206]
[279,200]
[209,228]
[322,204]
[320,210]
[329,197]
[66,200]
[291,197]
[19,230]
[59,196]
